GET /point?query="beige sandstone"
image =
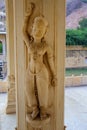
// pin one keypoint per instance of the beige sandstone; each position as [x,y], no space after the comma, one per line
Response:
[55,37]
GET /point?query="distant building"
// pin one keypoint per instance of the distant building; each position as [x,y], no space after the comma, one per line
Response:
[2,21]
[3,41]
[3,55]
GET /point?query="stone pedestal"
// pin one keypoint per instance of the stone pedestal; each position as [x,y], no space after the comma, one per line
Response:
[11,101]
[37,123]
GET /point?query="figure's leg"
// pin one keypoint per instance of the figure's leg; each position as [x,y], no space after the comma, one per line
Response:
[42,87]
[29,90]
[30,95]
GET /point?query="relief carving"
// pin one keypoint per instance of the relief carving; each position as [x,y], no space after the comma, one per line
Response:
[40,73]
[11,88]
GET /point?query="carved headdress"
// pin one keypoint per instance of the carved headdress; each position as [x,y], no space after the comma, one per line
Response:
[40,20]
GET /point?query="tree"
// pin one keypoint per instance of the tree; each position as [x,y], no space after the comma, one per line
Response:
[1,50]
[76,37]
[85,1]
[83,23]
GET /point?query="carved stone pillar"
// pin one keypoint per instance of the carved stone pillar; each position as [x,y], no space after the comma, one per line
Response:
[54,12]
[11,102]
[11,107]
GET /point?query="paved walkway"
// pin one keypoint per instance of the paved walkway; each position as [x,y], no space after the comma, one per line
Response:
[75,110]
[7,121]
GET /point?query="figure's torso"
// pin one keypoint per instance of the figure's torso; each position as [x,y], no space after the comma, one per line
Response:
[36,53]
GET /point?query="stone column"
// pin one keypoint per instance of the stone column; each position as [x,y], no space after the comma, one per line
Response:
[11,107]
[60,45]
[19,49]
[54,12]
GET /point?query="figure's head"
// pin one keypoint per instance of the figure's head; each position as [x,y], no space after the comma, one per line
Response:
[39,27]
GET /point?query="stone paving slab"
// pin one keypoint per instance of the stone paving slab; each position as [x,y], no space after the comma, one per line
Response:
[7,121]
[76,108]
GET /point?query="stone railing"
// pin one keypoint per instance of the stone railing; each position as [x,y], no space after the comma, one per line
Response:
[75,47]
[71,81]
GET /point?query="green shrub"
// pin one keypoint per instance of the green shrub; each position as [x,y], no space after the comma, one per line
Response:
[1,48]
[76,37]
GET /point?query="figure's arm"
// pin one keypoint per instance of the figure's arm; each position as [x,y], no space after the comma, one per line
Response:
[49,62]
[50,58]
[26,35]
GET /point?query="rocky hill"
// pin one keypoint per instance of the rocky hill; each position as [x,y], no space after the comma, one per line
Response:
[2,5]
[71,5]
[75,11]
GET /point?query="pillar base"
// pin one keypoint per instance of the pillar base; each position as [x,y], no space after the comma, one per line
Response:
[37,123]
[11,101]
[11,108]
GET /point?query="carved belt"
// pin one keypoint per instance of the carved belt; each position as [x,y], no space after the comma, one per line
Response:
[34,73]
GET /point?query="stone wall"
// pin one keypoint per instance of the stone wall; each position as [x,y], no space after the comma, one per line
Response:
[76,80]
[76,58]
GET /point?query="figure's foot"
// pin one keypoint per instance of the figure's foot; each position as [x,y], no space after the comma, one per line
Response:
[34,114]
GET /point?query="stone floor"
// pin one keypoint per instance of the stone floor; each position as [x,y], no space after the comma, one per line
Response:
[75,110]
[7,121]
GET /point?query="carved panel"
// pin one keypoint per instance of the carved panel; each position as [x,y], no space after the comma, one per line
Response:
[40,74]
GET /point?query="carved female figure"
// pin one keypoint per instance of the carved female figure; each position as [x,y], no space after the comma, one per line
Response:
[40,71]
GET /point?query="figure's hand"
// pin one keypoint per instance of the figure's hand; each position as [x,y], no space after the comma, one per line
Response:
[30,9]
[53,81]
